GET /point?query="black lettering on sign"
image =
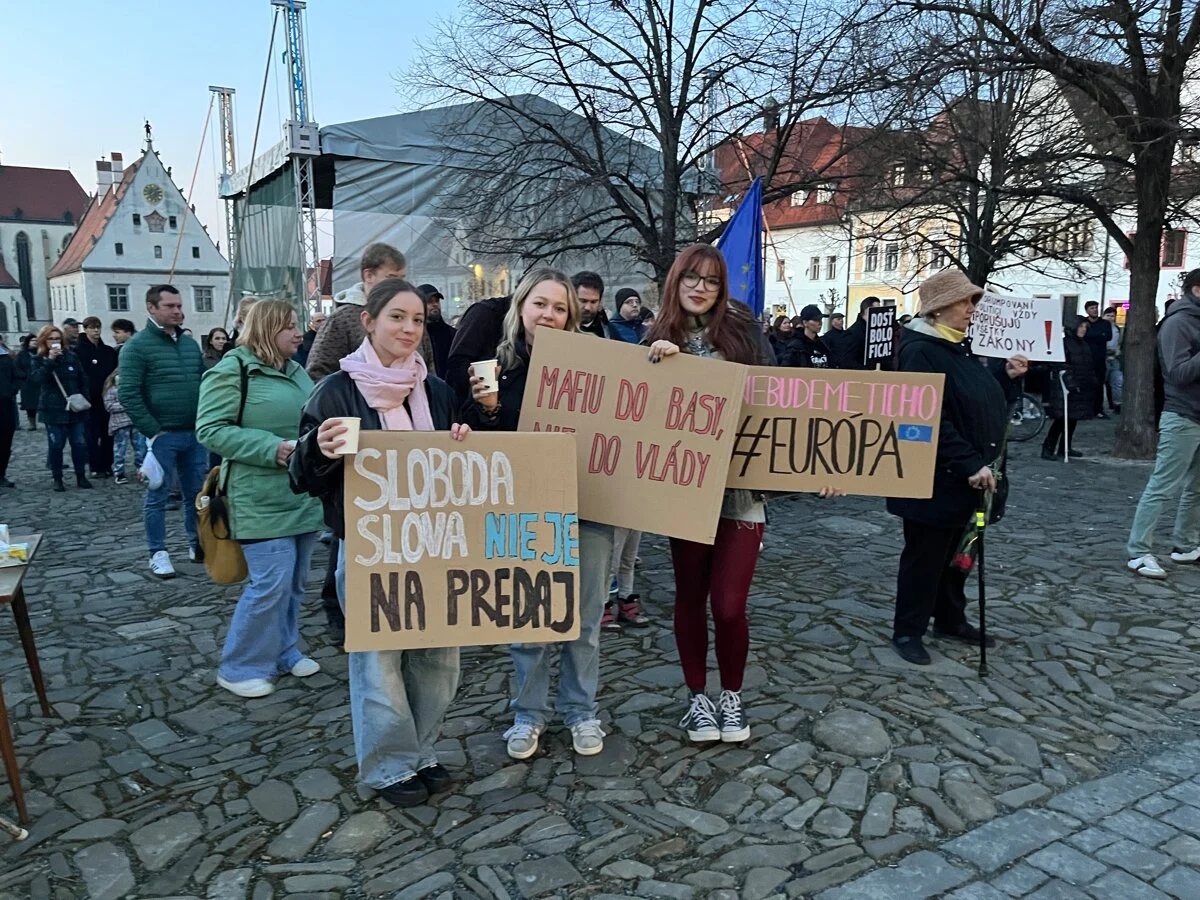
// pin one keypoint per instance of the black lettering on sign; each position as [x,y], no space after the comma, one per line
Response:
[388,602]
[567,580]
[458,582]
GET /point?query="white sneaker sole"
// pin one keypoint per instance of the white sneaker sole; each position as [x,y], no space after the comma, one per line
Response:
[306,668]
[232,687]
[1185,560]
[523,754]
[587,751]
[700,737]
[1148,573]
[163,575]
[731,737]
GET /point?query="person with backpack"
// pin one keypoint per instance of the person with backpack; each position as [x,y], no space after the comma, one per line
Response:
[1177,461]
[249,415]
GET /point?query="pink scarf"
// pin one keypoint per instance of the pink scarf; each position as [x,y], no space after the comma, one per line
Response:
[387,387]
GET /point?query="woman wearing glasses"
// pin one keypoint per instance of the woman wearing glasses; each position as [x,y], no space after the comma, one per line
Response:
[698,317]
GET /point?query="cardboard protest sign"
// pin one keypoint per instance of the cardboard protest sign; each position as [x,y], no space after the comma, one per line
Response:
[869,433]
[653,441]
[883,335]
[460,543]
[1029,326]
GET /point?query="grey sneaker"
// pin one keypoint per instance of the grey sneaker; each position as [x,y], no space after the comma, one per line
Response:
[700,721]
[523,740]
[733,717]
[588,737]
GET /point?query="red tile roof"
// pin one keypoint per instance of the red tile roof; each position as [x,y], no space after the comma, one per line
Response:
[6,280]
[92,225]
[40,195]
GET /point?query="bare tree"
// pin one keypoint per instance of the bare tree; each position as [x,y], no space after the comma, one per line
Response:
[1123,67]
[613,109]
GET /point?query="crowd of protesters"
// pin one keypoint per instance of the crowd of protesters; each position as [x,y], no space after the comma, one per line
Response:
[267,402]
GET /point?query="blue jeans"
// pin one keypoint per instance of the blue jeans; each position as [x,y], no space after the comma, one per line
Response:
[1176,474]
[57,437]
[579,660]
[122,438]
[398,701]
[265,629]
[180,455]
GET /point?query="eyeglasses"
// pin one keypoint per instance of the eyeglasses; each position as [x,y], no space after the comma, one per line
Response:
[691,279]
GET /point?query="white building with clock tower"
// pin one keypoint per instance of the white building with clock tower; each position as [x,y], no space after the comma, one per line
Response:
[138,231]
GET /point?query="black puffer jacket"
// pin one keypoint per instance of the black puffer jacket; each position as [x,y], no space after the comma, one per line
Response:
[1082,383]
[479,333]
[311,472]
[71,378]
[971,435]
[512,392]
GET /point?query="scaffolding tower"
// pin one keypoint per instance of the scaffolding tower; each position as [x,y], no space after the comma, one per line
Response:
[228,165]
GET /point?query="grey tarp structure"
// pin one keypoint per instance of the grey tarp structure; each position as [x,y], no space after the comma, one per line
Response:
[451,187]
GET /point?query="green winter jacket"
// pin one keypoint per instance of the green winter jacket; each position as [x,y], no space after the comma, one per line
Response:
[160,380]
[260,502]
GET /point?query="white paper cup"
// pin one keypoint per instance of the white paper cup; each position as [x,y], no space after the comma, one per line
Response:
[350,438]
[486,371]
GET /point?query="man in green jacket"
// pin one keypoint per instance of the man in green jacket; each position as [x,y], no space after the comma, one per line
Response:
[159,386]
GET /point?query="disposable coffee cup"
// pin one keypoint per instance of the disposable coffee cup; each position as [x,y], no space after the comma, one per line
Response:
[350,438]
[485,371]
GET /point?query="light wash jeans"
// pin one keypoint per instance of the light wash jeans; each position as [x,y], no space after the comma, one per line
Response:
[1176,474]
[624,558]
[182,457]
[263,636]
[1116,382]
[398,700]
[122,438]
[579,660]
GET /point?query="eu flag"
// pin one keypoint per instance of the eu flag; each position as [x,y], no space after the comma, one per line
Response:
[741,243]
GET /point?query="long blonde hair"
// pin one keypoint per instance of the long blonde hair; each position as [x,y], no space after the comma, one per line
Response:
[264,320]
[506,352]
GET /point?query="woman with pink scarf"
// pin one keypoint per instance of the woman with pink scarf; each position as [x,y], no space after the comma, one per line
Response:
[398,698]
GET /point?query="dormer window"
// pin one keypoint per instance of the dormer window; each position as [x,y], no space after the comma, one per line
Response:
[897,175]
[799,197]
[825,193]
[156,222]
[137,220]
[171,222]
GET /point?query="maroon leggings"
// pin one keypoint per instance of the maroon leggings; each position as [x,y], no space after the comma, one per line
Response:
[724,572]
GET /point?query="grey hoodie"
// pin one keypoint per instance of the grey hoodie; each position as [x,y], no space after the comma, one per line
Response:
[1179,355]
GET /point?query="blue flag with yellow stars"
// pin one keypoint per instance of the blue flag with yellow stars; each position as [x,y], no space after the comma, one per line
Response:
[742,245]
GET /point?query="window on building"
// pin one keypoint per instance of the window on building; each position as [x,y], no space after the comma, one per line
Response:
[1174,248]
[25,273]
[799,197]
[73,306]
[897,175]
[202,299]
[172,222]
[66,240]
[780,269]
[825,193]
[1188,153]
[830,268]
[158,251]
[155,221]
[871,258]
[926,173]
[3,319]
[891,257]
[938,258]
[195,253]
[918,260]
[120,248]
[1078,240]
[118,298]
[137,220]
[814,268]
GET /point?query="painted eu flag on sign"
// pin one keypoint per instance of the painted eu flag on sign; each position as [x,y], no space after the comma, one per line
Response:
[741,243]
[922,434]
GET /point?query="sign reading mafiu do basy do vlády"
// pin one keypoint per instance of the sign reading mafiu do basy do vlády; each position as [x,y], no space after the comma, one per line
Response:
[869,433]
[653,440]
[460,543]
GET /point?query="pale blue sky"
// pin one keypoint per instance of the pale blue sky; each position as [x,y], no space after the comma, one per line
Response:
[80,76]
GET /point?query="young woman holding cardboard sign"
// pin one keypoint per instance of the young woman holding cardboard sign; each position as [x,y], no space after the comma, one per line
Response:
[546,299]
[398,698]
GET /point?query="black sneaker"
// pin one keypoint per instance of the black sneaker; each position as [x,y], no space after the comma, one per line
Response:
[410,792]
[120,479]
[912,650]
[335,627]
[1050,455]
[733,717]
[1076,454]
[436,778]
[966,632]
[81,481]
[700,722]
[59,486]
[5,483]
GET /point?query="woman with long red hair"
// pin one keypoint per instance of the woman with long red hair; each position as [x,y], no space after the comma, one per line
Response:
[697,317]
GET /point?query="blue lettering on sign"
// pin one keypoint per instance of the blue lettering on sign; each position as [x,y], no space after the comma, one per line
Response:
[922,434]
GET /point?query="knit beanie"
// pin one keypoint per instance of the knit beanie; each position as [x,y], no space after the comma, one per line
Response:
[622,295]
[944,289]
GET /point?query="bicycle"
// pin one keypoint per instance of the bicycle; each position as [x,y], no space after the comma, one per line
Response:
[1026,418]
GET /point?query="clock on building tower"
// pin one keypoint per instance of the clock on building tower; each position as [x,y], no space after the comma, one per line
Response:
[153,194]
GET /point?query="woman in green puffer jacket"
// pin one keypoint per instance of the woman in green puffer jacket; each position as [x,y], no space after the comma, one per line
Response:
[249,415]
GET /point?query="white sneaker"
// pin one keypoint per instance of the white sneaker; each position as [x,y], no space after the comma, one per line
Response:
[588,737]
[160,565]
[306,667]
[1147,566]
[253,687]
[1190,557]
[522,740]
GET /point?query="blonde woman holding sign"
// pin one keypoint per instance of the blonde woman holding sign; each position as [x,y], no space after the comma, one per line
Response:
[546,299]
[398,698]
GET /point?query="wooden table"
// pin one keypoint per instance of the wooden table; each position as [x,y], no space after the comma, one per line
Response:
[12,592]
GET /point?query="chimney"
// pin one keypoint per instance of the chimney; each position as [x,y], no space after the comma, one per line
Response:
[104,177]
[118,167]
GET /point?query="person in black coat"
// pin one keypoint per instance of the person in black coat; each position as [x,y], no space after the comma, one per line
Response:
[806,350]
[1098,335]
[58,373]
[970,450]
[853,350]
[1079,372]
[781,333]
[441,333]
[98,360]
[10,383]
[480,330]
[29,388]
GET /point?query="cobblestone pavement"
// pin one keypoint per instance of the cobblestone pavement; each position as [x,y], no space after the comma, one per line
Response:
[153,782]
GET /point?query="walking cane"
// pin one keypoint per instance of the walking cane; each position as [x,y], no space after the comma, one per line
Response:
[980,528]
[18,833]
